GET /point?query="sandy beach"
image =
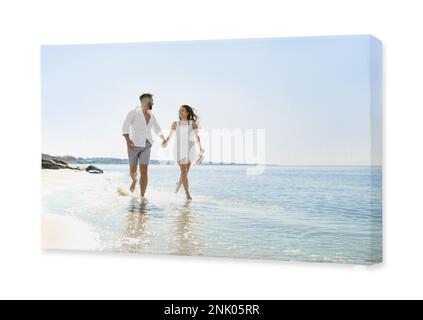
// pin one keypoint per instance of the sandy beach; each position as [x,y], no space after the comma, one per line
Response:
[67,233]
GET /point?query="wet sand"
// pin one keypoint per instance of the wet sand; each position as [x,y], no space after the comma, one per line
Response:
[60,232]
[66,233]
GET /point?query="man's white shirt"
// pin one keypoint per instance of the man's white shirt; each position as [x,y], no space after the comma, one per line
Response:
[139,131]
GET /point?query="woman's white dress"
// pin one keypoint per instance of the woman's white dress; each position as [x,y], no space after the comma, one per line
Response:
[185,148]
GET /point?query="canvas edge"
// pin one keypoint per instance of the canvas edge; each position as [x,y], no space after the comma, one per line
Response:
[376,152]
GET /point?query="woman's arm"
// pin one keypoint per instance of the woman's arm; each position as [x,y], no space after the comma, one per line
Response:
[171,133]
[197,136]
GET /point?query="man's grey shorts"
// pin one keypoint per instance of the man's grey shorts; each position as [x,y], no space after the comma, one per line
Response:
[141,154]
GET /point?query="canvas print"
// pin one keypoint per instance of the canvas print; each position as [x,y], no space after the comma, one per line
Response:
[247,148]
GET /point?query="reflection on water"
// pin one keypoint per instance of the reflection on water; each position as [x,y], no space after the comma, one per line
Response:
[146,231]
[135,238]
[187,238]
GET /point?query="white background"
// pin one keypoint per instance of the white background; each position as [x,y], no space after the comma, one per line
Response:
[26,272]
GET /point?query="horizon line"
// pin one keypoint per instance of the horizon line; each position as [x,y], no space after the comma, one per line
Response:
[229,163]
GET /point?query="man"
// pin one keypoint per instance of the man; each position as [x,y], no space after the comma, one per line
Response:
[137,132]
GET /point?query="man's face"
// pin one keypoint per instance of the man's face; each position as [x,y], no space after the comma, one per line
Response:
[147,102]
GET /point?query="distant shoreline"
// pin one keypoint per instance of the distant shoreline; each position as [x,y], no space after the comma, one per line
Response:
[111,160]
[164,162]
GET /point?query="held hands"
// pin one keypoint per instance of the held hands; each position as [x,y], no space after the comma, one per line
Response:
[165,143]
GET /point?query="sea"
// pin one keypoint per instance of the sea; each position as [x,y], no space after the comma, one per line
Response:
[316,214]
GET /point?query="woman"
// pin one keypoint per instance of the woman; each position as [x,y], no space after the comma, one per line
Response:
[186,130]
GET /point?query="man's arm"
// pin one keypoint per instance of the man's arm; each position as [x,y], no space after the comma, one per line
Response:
[157,129]
[126,127]
[129,142]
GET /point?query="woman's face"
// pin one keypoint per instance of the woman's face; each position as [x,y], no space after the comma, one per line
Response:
[183,113]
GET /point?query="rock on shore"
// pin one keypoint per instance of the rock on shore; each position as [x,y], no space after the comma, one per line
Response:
[93,169]
[55,163]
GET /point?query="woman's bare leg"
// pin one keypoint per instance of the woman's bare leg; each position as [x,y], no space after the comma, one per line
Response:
[184,178]
[179,182]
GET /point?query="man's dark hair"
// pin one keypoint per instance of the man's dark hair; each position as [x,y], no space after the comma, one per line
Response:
[146,95]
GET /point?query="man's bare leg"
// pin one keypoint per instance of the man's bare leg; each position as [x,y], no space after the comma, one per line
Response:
[133,174]
[144,178]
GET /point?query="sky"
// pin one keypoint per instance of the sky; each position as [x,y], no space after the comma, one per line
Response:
[316,98]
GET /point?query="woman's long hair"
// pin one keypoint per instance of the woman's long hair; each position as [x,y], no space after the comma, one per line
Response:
[192,113]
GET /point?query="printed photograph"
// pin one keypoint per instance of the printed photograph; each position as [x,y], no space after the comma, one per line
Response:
[248,148]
